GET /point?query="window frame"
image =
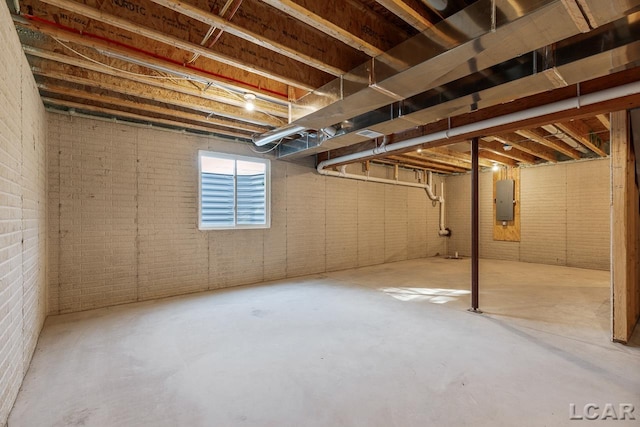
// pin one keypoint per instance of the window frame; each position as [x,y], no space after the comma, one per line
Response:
[235,157]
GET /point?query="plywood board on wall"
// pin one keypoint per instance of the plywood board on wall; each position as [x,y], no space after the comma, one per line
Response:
[507,231]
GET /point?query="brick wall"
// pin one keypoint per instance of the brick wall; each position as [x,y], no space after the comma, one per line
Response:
[126,224]
[22,214]
[564,215]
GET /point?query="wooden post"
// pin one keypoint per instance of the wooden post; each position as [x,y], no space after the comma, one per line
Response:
[624,231]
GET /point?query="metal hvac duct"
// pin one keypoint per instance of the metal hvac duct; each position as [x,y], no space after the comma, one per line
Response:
[610,48]
[487,33]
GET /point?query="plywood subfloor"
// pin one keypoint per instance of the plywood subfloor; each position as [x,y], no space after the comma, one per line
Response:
[390,345]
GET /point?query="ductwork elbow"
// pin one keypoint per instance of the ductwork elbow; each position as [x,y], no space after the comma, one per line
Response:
[276,134]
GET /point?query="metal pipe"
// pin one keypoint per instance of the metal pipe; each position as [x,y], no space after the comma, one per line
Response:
[475,224]
[481,126]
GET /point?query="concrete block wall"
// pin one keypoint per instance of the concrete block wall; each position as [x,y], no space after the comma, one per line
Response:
[125,224]
[22,214]
[565,215]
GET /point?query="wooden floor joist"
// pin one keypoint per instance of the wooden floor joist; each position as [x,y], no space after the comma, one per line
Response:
[258,39]
[288,74]
[84,96]
[145,119]
[539,137]
[110,50]
[138,90]
[223,106]
[579,132]
[513,153]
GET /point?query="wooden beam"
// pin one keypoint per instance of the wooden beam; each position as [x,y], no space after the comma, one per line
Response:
[426,155]
[498,148]
[539,137]
[270,90]
[526,146]
[498,158]
[426,164]
[389,162]
[147,119]
[624,230]
[351,23]
[98,81]
[224,105]
[88,96]
[579,131]
[259,39]
[409,13]
[296,75]
[604,119]
[445,153]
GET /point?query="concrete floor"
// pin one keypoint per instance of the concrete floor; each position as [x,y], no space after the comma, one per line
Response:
[389,345]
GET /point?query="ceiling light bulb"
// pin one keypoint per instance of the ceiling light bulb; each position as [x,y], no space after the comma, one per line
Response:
[419,150]
[249,105]
[495,168]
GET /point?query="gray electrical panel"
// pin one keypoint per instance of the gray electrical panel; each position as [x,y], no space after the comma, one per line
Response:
[504,200]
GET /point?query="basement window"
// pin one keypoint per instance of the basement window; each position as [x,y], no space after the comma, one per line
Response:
[233,192]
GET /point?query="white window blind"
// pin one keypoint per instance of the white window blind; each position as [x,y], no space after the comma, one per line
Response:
[234,191]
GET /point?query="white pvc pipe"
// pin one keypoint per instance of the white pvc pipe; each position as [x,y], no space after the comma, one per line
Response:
[442,230]
[343,174]
[567,104]
[429,188]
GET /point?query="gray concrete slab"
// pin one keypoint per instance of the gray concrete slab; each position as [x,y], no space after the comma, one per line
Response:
[389,345]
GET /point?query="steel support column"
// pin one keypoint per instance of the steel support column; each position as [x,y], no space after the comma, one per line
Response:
[475,225]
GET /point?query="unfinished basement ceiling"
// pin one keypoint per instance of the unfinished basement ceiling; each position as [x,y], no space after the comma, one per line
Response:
[345,78]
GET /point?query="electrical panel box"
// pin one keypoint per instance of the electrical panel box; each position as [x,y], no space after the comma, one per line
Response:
[504,200]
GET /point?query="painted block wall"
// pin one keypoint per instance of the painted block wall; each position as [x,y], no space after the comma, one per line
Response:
[125,226]
[565,215]
[22,214]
